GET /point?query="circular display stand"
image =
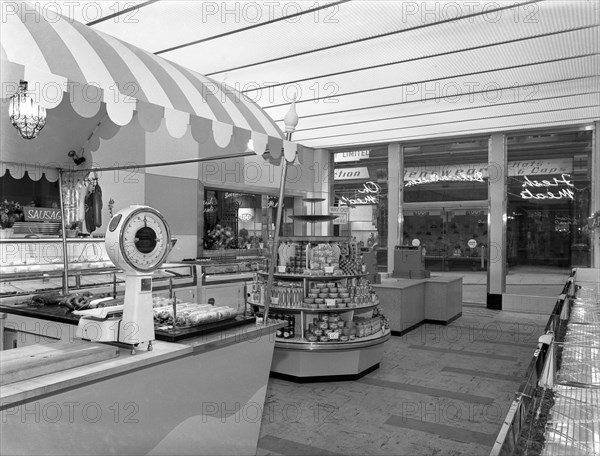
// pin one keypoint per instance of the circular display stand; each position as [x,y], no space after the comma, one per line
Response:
[302,361]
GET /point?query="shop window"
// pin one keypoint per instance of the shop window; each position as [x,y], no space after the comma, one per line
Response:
[26,191]
[445,203]
[454,171]
[361,185]
[549,190]
[234,220]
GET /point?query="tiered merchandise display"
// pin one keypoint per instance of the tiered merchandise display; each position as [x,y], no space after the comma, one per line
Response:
[322,292]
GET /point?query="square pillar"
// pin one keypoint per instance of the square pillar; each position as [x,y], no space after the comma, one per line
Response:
[395,188]
[497,191]
[595,204]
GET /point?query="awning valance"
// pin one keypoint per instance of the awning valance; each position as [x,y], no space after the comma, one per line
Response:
[107,79]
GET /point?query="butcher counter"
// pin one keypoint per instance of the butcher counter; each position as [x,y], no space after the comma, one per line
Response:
[202,395]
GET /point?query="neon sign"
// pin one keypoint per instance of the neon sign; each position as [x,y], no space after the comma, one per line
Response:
[435,177]
[560,194]
[370,191]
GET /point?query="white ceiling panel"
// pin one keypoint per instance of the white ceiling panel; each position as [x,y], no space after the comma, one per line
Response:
[190,21]
[484,111]
[475,126]
[543,91]
[525,82]
[445,66]
[87,11]
[341,24]
[446,37]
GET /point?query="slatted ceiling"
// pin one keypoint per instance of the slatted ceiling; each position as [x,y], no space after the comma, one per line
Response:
[195,21]
[450,36]
[468,102]
[423,109]
[444,67]
[338,25]
[86,12]
[488,111]
[457,117]
[364,55]
[475,126]
[462,86]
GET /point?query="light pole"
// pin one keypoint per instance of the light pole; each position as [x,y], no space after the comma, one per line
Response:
[290,120]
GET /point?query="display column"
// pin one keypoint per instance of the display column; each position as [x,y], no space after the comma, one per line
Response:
[395,198]
[324,189]
[497,181]
[595,204]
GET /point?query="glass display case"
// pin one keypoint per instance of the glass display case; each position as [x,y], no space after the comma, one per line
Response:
[30,266]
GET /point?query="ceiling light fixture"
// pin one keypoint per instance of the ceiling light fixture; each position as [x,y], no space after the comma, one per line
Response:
[26,115]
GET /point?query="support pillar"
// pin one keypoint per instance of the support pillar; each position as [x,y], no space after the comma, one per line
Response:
[395,188]
[497,181]
[595,204]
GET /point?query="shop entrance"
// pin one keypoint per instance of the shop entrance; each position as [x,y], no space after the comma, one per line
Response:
[453,238]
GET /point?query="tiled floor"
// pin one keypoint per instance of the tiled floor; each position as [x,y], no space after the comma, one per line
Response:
[520,280]
[440,390]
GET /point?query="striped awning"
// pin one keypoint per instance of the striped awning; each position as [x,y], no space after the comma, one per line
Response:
[102,76]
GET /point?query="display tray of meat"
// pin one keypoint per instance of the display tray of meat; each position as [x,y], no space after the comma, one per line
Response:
[192,319]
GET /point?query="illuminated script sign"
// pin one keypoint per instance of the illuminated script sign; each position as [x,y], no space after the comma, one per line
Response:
[552,188]
[434,177]
[368,195]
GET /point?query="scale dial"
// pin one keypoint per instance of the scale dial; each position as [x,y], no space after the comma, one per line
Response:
[140,238]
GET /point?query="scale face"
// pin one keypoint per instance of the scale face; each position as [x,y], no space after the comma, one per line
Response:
[138,239]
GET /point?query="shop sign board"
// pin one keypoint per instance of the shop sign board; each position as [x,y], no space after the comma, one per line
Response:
[415,175]
[361,172]
[342,213]
[355,155]
[41,214]
[477,172]
[540,167]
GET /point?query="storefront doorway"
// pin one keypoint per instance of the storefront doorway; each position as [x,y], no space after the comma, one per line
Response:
[453,237]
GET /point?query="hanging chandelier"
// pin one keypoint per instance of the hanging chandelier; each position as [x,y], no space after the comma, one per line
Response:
[26,115]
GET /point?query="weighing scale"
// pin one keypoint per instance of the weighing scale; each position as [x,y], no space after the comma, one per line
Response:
[138,241]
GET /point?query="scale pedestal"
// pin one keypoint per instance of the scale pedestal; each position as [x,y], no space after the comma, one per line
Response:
[137,323]
[131,323]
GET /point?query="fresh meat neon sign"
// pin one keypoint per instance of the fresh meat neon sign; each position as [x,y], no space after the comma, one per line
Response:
[369,195]
[555,182]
